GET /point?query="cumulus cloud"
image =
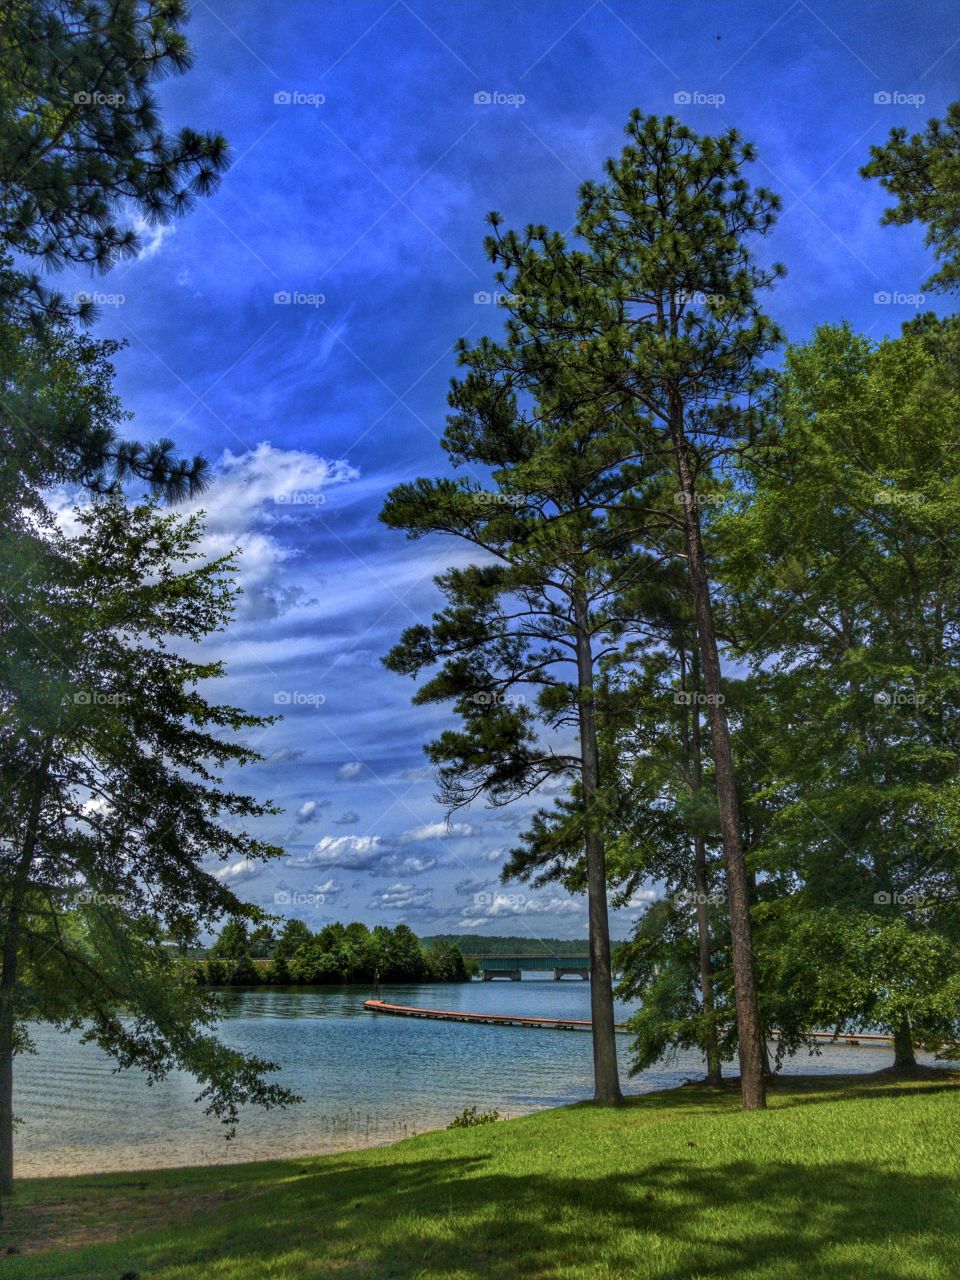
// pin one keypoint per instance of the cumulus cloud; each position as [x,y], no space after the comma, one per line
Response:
[237,872]
[347,819]
[401,897]
[252,496]
[438,831]
[363,853]
[347,772]
[310,810]
[352,852]
[494,906]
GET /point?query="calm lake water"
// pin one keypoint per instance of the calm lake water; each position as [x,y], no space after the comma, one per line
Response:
[365,1079]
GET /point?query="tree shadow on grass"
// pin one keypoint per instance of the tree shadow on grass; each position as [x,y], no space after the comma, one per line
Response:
[448,1218]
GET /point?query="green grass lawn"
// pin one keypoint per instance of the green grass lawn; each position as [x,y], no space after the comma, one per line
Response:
[843,1178]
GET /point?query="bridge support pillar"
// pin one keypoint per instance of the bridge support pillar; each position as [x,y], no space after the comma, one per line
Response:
[512,974]
[575,973]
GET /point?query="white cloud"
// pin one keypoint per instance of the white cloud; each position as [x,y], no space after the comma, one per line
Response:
[151,236]
[352,769]
[502,904]
[237,872]
[351,852]
[310,810]
[401,897]
[251,497]
[438,831]
[363,853]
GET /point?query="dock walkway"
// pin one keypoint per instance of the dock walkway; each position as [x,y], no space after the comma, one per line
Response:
[865,1040]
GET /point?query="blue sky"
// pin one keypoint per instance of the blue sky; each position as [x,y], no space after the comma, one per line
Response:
[363,167]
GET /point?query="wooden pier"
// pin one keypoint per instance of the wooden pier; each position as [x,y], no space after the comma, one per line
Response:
[488,1019]
[864,1040]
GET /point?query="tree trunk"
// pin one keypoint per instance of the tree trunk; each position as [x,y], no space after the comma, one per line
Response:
[701,887]
[750,1039]
[711,1048]
[904,1057]
[605,1075]
[8,973]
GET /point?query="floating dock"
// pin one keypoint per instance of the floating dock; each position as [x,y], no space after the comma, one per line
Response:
[488,1019]
[866,1040]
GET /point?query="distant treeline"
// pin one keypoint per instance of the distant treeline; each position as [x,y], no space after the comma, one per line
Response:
[337,953]
[481,946]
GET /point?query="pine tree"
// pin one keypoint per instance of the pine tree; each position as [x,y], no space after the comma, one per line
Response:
[82,148]
[525,628]
[662,305]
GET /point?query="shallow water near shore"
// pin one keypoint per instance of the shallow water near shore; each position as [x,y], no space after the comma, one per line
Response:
[365,1079]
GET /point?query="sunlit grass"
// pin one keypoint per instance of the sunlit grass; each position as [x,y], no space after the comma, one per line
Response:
[843,1177]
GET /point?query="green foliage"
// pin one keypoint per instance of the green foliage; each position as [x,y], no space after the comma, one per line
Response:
[470,1118]
[922,172]
[337,954]
[233,941]
[111,758]
[82,147]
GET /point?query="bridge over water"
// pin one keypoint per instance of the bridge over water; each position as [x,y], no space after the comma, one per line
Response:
[496,966]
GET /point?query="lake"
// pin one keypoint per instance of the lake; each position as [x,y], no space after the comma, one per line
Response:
[365,1078]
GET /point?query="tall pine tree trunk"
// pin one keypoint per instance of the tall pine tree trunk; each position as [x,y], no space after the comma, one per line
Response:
[749,1035]
[606,1077]
[8,973]
[711,1047]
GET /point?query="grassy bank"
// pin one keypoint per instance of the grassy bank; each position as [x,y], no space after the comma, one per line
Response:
[843,1177]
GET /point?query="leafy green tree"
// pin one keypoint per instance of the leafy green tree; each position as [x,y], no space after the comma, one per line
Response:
[110,759]
[82,147]
[842,584]
[233,941]
[262,942]
[922,172]
[245,972]
[292,936]
[445,963]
